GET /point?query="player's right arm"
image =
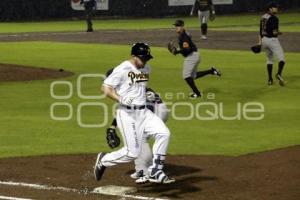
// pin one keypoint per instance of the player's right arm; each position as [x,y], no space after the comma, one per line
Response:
[192,10]
[275,26]
[110,84]
[113,81]
[110,92]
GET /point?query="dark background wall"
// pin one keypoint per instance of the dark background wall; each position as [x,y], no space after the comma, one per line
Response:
[21,10]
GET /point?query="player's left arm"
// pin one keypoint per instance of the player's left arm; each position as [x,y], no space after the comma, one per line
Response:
[211,7]
[186,47]
[193,8]
[276,31]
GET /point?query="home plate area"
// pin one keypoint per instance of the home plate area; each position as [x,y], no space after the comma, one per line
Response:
[110,190]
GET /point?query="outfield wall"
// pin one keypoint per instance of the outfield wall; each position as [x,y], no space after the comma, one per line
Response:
[56,9]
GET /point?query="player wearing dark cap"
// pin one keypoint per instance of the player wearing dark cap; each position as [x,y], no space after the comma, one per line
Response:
[192,59]
[268,38]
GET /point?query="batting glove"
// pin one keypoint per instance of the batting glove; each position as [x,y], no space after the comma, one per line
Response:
[127,101]
[150,96]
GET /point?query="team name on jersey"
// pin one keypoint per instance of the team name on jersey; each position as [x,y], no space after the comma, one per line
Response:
[136,78]
[203,2]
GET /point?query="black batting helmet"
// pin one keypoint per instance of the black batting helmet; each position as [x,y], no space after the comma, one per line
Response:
[141,50]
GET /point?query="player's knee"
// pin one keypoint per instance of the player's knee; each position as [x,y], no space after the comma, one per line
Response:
[281,62]
[166,133]
[188,77]
[132,154]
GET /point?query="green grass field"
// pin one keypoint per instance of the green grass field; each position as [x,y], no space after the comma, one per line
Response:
[27,129]
[289,22]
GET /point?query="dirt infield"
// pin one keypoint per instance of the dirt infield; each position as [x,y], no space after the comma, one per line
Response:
[9,72]
[270,175]
[237,40]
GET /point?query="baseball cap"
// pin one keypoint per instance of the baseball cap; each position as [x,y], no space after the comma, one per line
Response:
[272,5]
[179,22]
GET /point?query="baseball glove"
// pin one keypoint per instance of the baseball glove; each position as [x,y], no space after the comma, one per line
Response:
[172,49]
[212,17]
[112,138]
[256,48]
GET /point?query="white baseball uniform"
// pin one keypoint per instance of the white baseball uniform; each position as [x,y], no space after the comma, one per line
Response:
[135,122]
[144,160]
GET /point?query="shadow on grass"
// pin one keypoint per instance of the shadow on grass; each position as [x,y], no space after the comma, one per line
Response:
[291,82]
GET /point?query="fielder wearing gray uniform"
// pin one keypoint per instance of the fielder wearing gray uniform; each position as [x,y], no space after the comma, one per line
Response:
[268,38]
[204,8]
[191,59]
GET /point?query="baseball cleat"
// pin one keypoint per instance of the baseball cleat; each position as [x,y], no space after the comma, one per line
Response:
[137,174]
[99,168]
[143,179]
[216,71]
[204,37]
[160,177]
[194,96]
[270,82]
[280,79]
[89,30]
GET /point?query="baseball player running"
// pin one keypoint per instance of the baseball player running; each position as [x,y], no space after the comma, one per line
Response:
[191,58]
[206,10]
[144,160]
[127,85]
[268,39]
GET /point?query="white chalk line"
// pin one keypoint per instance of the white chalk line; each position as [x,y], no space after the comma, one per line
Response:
[12,198]
[47,187]
[38,187]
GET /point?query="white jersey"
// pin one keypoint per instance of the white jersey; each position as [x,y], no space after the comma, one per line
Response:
[128,81]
